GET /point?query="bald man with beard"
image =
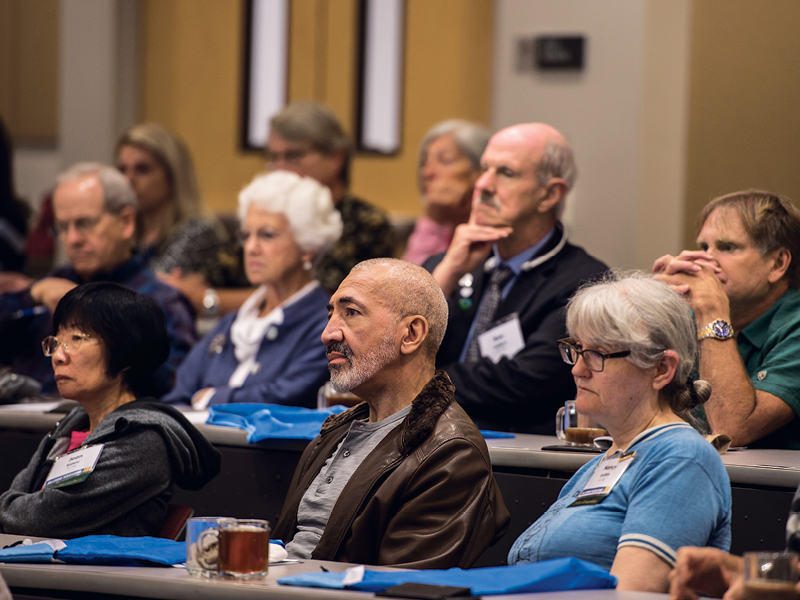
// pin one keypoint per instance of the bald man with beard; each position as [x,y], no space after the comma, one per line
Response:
[404,478]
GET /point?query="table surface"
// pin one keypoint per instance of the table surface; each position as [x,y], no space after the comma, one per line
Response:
[176,584]
[778,468]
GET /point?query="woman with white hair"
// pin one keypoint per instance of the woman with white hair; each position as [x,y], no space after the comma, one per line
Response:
[660,485]
[270,350]
[449,166]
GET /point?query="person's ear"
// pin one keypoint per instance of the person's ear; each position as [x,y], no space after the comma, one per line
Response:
[127,217]
[665,369]
[781,259]
[555,191]
[415,332]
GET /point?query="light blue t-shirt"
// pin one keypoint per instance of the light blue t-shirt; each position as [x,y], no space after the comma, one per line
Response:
[675,493]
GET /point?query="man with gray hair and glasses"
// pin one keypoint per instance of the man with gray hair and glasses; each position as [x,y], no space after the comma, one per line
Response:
[508,274]
[307,138]
[95,220]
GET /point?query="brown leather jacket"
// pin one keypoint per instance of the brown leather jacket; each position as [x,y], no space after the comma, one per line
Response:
[425,497]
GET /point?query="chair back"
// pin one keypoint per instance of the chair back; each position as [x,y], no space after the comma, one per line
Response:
[175,523]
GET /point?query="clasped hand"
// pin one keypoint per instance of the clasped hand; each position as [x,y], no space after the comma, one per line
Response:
[696,275]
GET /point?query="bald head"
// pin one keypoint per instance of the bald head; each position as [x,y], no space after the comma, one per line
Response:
[546,146]
[410,290]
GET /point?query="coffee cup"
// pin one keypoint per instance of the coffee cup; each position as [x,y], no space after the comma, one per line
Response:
[243,547]
[202,558]
[770,576]
[575,429]
[327,397]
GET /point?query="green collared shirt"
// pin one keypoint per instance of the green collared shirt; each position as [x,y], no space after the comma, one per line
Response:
[770,349]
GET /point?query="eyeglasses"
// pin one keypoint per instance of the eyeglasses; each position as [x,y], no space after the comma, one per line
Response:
[262,235]
[594,359]
[83,225]
[291,157]
[51,343]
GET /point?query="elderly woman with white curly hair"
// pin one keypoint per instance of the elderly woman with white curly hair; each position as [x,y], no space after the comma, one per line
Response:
[660,485]
[270,350]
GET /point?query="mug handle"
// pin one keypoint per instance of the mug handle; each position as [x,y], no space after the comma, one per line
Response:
[560,424]
[200,545]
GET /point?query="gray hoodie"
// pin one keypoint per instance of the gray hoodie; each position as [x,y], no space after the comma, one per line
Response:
[148,447]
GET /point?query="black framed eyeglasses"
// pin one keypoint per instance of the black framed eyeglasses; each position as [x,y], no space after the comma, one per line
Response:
[593,359]
[291,157]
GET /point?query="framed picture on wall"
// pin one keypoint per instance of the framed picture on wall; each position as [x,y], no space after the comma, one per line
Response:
[380,88]
[266,68]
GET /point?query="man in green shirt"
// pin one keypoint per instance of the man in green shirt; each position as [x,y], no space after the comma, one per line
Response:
[742,285]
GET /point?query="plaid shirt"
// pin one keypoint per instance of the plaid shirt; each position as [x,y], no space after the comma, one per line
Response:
[20,338]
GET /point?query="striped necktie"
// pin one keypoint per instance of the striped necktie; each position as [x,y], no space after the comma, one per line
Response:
[487,310]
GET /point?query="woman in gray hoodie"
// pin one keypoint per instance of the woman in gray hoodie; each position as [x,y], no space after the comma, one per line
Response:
[108,342]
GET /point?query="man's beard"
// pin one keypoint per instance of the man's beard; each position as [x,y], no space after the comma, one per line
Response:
[357,370]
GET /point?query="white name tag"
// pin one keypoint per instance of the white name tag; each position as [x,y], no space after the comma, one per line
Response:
[73,467]
[504,339]
[605,477]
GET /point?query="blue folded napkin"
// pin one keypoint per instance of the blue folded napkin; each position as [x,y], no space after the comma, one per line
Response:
[264,421]
[126,551]
[488,434]
[40,552]
[547,576]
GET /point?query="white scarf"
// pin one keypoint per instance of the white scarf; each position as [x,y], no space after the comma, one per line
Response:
[248,329]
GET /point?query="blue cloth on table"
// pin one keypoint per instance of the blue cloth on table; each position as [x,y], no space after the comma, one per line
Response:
[32,553]
[547,576]
[101,550]
[489,435]
[271,421]
[278,421]
[126,551]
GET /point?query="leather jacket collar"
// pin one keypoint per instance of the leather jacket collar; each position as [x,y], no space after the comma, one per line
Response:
[426,409]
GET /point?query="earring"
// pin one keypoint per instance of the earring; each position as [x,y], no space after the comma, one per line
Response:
[307,265]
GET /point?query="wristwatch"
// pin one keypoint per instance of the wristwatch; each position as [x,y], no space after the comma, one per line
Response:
[718,329]
[211,304]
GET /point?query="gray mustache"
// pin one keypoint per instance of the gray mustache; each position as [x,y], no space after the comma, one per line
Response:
[489,200]
[341,348]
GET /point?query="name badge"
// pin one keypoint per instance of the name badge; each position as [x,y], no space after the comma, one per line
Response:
[504,339]
[605,477]
[73,467]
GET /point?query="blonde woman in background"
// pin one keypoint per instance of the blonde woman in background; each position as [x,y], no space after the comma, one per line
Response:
[174,229]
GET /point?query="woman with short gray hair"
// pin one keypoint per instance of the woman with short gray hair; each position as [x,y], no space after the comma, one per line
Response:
[270,350]
[633,345]
[449,166]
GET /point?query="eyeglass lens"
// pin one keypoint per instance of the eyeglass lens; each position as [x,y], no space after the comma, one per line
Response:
[83,225]
[593,359]
[290,156]
[51,343]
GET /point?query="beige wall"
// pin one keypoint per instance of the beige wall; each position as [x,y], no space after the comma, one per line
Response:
[703,92]
[744,120]
[191,82]
[29,69]
[600,109]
